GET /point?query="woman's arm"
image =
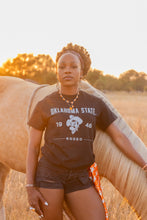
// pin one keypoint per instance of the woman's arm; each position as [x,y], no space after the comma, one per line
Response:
[35,137]
[34,196]
[125,145]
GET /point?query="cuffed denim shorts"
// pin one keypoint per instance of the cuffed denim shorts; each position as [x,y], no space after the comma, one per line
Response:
[61,178]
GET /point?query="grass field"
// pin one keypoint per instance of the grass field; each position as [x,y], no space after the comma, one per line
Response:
[133,107]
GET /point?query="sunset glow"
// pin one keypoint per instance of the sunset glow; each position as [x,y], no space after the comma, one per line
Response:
[114,32]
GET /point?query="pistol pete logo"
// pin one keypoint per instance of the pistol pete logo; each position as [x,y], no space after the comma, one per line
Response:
[73,123]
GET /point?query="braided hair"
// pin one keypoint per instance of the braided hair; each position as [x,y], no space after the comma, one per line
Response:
[83,53]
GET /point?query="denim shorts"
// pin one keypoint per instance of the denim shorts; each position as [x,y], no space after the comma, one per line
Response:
[61,178]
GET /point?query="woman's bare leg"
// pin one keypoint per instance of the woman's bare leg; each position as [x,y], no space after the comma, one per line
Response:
[86,204]
[55,198]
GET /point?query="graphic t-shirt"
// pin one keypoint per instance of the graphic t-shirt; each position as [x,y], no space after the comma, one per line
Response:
[69,134]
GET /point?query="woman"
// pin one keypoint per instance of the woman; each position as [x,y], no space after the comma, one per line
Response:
[69,118]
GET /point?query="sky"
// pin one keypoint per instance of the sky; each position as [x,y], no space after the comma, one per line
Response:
[114,32]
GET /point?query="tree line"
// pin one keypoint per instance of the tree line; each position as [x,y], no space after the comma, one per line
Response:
[41,69]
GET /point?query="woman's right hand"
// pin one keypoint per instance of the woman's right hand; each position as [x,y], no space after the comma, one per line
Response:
[34,199]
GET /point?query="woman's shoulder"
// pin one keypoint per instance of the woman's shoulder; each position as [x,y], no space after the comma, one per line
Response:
[48,98]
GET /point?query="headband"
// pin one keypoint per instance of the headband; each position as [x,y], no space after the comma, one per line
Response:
[78,55]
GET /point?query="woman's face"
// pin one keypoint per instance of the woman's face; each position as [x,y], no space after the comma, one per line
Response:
[69,70]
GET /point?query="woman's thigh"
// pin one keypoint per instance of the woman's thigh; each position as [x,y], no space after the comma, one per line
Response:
[86,204]
[55,198]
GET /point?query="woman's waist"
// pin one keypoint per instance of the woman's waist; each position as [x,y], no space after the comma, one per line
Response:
[64,166]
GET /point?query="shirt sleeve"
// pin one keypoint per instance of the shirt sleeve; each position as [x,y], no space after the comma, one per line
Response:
[38,119]
[106,117]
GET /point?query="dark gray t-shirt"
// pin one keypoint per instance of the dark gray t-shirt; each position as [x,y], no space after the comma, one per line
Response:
[69,134]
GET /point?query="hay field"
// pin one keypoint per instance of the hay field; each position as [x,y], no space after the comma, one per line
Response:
[133,107]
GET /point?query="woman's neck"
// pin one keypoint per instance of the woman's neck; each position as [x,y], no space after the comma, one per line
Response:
[69,90]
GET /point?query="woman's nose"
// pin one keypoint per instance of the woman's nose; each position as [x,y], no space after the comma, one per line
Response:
[67,69]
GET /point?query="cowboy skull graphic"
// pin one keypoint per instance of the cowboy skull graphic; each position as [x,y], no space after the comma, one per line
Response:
[73,123]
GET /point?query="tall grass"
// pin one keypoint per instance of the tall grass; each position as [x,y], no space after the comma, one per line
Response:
[133,107]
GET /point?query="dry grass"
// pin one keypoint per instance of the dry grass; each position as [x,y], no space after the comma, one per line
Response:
[132,107]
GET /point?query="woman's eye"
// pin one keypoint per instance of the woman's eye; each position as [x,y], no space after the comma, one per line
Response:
[61,67]
[74,66]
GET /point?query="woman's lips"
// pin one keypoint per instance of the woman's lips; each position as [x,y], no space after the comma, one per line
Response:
[67,77]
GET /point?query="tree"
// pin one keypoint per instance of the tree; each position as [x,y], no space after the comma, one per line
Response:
[93,75]
[28,66]
[107,82]
[132,80]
